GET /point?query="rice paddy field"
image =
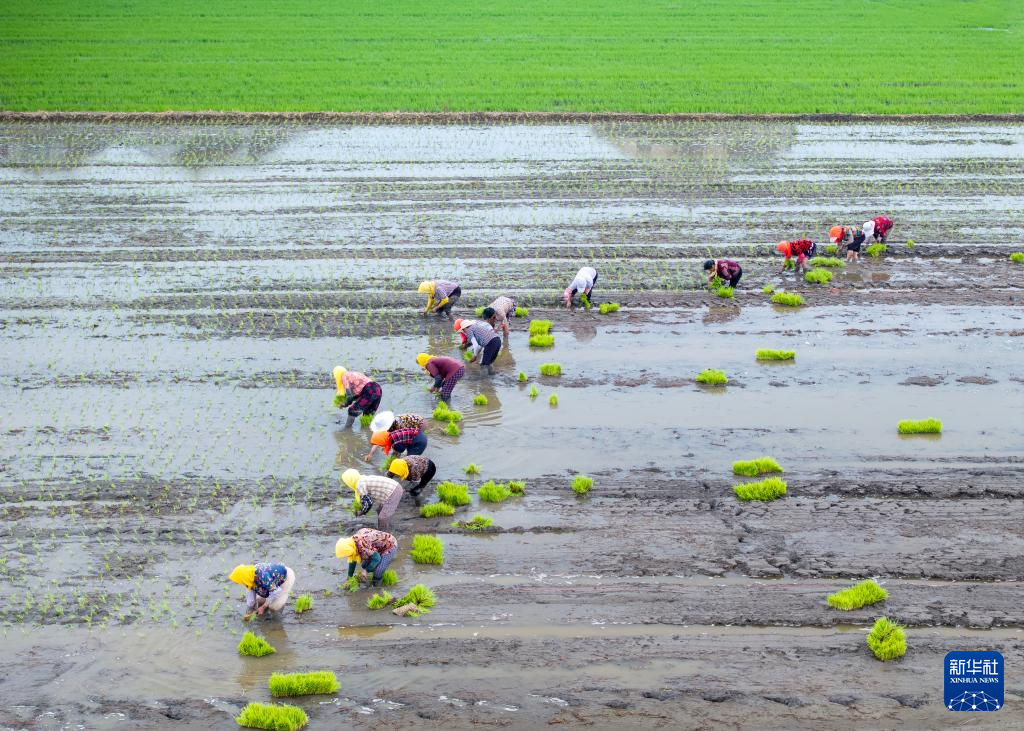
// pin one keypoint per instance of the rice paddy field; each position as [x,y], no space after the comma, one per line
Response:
[746,57]
[174,297]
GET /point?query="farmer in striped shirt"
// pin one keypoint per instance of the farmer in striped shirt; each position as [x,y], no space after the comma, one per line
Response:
[370,550]
[415,468]
[445,371]
[725,269]
[358,392]
[480,338]
[441,295]
[498,313]
[583,283]
[267,586]
[372,490]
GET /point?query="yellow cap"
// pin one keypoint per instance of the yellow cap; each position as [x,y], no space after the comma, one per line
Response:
[244,574]
[339,371]
[400,467]
[422,359]
[345,548]
[350,477]
[426,288]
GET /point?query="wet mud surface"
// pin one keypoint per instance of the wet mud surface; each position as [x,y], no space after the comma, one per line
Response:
[174,296]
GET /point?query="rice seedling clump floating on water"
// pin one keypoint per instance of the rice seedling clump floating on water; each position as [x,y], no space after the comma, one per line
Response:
[254,646]
[607,308]
[765,354]
[771,488]
[480,400]
[542,341]
[754,467]
[553,400]
[304,603]
[712,377]
[827,261]
[427,549]
[421,597]
[1017,257]
[725,292]
[517,487]
[768,289]
[876,250]
[389,578]
[453,493]
[522,312]
[787,299]
[434,510]
[443,413]
[818,276]
[522,377]
[551,369]
[379,601]
[452,429]
[540,327]
[292,684]
[273,717]
[924,426]
[472,469]
[478,523]
[887,640]
[534,393]
[857,596]
[581,484]
[493,492]
[832,249]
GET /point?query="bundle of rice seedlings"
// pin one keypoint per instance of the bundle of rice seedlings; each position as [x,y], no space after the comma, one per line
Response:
[581,484]
[254,646]
[1017,257]
[352,584]
[789,264]
[712,377]
[754,467]
[768,289]
[924,426]
[389,578]
[387,461]
[827,261]
[303,603]
[551,369]
[725,292]
[910,245]
[480,311]
[379,601]
[818,276]
[357,505]
[887,640]
[292,684]
[764,354]
[274,717]
[534,393]
[876,250]
[453,493]
[452,429]
[553,400]
[479,523]
[434,510]
[517,487]
[493,492]
[365,419]
[480,400]
[542,341]
[715,282]
[522,377]
[472,469]
[467,356]
[427,549]
[585,300]
[540,327]
[831,249]
[787,299]
[442,412]
[339,400]
[857,596]
[421,596]
[608,307]
[768,489]
[522,312]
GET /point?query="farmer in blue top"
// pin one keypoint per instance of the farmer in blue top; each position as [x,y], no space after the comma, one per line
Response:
[267,586]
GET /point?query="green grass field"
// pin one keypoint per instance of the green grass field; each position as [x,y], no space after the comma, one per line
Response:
[742,56]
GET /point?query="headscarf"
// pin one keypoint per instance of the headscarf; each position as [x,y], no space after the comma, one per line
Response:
[351,478]
[785,247]
[244,574]
[836,234]
[422,359]
[400,467]
[868,228]
[346,548]
[382,439]
[339,373]
[427,288]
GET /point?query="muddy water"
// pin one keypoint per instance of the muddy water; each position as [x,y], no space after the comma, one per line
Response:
[173,298]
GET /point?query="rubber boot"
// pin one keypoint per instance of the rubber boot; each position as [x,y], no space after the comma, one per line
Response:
[350,421]
[376,583]
[415,492]
[490,369]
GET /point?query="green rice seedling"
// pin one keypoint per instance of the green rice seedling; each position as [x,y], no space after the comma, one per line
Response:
[585,300]
[421,596]
[452,429]
[875,250]
[857,596]
[339,400]
[442,412]
[273,717]
[581,484]
[832,249]
[766,490]
[304,603]
[606,308]
[789,264]
[924,426]
[480,311]
[479,523]
[292,684]
[351,584]
[768,289]
[715,282]
[467,356]
[712,377]
[389,578]
[427,549]
[387,461]
[787,299]
[818,276]
[542,341]
[379,601]
[365,419]
[910,244]
[517,487]
[1017,257]
[765,354]
[540,327]
[534,393]
[254,646]
[453,493]
[754,467]
[434,510]
[454,416]
[480,400]
[523,377]
[553,399]
[493,492]
[472,469]
[827,261]
[522,312]
[887,640]
[551,369]
[725,292]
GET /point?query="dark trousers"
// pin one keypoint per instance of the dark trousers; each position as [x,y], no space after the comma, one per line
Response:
[490,352]
[736,278]
[368,400]
[452,299]
[428,475]
[417,446]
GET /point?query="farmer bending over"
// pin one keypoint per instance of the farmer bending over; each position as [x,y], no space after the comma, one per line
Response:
[498,313]
[847,236]
[583,283]
[801,249]
[358,392]
[267,586]
[446,372]
[413,469]
[725,269]
[371,550]
[441,296]
[479,337]
[413,441]
[372,490]
[879,227]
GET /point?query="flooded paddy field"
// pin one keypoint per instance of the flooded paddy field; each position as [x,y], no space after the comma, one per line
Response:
[173,298]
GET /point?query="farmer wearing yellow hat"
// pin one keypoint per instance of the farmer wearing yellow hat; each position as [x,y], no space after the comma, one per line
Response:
[441,295]
[356,391]
[373,549]
[414,468]
[446,372]
[267,586]
[372,490]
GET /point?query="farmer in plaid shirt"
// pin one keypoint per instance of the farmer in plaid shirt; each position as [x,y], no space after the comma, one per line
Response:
[411,441]
[377,490]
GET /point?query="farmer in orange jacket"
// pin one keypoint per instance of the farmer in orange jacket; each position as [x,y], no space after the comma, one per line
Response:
[800,248]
